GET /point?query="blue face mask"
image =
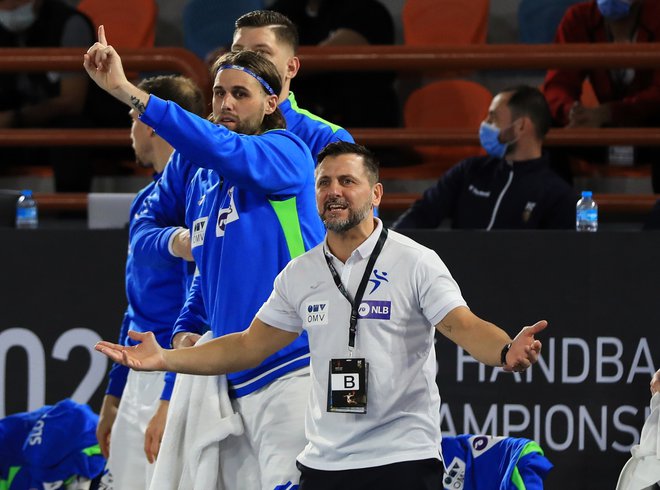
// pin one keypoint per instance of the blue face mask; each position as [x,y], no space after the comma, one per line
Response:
[489,136]
[614,9]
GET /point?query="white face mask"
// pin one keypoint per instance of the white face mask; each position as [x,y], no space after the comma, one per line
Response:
[19,19]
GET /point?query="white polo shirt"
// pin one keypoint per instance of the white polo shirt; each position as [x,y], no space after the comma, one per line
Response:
[410,291]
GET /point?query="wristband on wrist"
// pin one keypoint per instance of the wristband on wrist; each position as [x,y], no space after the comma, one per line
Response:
[505,351]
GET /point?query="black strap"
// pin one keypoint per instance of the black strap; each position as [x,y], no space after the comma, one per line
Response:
[355,302]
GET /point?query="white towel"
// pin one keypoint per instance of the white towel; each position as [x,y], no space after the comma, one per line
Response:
[642,471]
[199,416]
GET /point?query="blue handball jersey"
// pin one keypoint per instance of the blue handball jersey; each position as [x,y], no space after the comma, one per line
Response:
[155,289]
[250,208]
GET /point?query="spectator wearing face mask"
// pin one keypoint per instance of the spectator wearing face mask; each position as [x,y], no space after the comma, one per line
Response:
[510,188]
[50,99]
[627,97]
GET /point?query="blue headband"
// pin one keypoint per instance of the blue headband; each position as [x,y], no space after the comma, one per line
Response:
[263,82]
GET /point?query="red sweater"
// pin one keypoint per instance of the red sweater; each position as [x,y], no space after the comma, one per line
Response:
[636,104]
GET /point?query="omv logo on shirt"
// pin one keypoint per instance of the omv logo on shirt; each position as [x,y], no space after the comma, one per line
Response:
[198,231]
[316,313]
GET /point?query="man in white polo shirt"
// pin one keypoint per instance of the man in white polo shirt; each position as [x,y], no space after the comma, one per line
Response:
[368,300]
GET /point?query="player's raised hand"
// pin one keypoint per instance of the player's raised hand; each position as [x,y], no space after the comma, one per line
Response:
[103,64]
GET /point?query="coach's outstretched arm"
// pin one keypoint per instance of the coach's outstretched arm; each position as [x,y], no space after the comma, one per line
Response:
[490,344]
[103,65]
[230,353]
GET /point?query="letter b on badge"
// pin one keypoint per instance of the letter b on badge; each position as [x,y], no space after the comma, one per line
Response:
[345,382]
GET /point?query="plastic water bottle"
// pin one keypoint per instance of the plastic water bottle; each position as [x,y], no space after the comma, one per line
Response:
[586,213]
[26,211]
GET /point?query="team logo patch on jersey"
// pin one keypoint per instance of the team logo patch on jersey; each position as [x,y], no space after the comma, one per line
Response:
[375,310]
[316,313]
[481,444]
[198,231]
[226,215]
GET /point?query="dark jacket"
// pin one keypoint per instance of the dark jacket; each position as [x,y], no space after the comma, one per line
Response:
[634,104]
[47,31]
[489,193]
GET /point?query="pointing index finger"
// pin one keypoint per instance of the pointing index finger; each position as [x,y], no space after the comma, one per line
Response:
[538,326]
[102,38]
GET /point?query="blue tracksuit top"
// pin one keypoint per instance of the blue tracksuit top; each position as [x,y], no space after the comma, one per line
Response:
[493,463]
[156,291]
[48,446]
[163,211]
[314,131]
[250,208]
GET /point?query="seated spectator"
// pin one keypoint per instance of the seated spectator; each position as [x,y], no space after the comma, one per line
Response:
[626,97]
[369,100]
[50,99]
[510,188]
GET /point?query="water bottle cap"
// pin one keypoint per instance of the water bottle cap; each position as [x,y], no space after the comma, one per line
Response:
[586,194]
[26,192]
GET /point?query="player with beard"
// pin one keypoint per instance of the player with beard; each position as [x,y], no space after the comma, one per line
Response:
[160,229]
[372,347]
[250,209]
[156,291]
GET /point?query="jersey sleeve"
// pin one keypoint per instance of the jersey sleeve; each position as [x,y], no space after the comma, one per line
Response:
[161,215]
[239,158]
[119,373]
[437,203]
[437,290]
[193,314]
[278,311]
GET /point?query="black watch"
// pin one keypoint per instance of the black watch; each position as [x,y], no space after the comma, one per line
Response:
[505,351]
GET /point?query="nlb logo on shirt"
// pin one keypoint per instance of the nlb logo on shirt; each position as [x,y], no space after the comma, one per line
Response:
[198,231]
[376,310]
[316,313]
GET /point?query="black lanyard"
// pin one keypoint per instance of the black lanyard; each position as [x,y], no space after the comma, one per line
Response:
[355,303]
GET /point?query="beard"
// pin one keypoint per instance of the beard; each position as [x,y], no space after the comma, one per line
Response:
[239,126]
[354,217]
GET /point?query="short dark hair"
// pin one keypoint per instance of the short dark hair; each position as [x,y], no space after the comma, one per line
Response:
[285,30]
[370,162]
[263,68]
[529,101]
[179,89]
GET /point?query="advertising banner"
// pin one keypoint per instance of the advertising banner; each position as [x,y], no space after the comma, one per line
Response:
[585,402]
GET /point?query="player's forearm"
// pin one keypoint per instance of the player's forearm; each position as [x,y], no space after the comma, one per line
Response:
[130,95]
[218,356]
[486,342]
[483,340]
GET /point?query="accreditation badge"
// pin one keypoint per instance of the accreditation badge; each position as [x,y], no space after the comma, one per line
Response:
[347,385]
